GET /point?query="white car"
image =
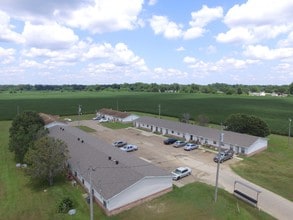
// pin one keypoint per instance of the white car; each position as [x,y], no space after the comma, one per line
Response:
[103,120]
[190,146]
[181,172]
[129,148]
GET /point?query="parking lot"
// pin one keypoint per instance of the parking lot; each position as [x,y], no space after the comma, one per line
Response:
[152,149]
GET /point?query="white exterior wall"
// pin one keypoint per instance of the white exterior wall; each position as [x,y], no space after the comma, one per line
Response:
[260,144]
[141,189]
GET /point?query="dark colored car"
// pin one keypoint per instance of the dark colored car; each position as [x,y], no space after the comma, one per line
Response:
[224,155]
[169,141]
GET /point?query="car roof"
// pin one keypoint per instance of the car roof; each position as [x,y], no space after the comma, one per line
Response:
[182,168]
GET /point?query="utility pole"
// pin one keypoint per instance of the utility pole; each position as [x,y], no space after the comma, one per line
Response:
[79,113]
[289,133]
[218,165]
[91,195]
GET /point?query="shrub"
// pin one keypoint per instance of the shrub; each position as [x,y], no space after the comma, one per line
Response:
[65,205]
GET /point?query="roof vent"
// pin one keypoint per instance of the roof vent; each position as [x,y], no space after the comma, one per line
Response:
[109,158]
[81,141]
[117,162]
[78,139]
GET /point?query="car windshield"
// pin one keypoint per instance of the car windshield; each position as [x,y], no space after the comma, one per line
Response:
[177,171]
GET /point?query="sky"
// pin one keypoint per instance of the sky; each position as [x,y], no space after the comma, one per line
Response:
[153,41]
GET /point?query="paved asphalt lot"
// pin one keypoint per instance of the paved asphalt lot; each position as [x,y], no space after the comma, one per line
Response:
[152,149]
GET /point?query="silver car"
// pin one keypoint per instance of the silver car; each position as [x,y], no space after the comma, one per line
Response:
[179,144]
[119,143]
[190,146]
[180,172]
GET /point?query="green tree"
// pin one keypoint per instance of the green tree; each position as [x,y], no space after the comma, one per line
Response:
[46,159]
[248,124]
[291,89]
[23,132]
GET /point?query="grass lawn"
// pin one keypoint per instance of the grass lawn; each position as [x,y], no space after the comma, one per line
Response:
[117,125]
[86,129]
[272,168]
[194,201]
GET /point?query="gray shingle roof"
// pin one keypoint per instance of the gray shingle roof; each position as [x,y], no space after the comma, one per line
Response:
[236,139]
[108,178]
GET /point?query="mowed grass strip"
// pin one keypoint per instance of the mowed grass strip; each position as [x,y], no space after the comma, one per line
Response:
[272,168]
[274,110]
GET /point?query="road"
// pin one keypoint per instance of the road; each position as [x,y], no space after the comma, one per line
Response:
[152,149]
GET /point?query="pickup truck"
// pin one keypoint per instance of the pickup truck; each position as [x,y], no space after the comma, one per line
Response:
[224,155]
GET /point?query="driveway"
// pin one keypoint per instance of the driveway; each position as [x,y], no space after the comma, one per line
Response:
[152,150]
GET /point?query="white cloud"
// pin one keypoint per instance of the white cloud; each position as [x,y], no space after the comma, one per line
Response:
[193,32]
[265,53]
[6,55]
[287,42]
[189,59]
[218,66]
[162,25]
[200,19]
[235,35]
[153,2]
[6,30]
[168,75]
[170,29]
[180,49]
[256,20]
[51,35]
[105,16]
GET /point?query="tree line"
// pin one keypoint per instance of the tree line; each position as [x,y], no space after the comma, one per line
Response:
[154,87]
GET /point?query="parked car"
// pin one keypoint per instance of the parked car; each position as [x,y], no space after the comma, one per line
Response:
[103,120]
[129,148]
[180,172]
[169,141]
[224,155]
[191,146]
[179,144]
[119,143]
[97,118]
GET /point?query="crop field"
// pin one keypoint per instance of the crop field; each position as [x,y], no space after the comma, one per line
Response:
[274,110]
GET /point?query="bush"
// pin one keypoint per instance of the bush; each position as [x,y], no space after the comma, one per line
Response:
[65,205]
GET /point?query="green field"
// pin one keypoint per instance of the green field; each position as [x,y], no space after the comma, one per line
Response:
[274,110]
[20,199]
